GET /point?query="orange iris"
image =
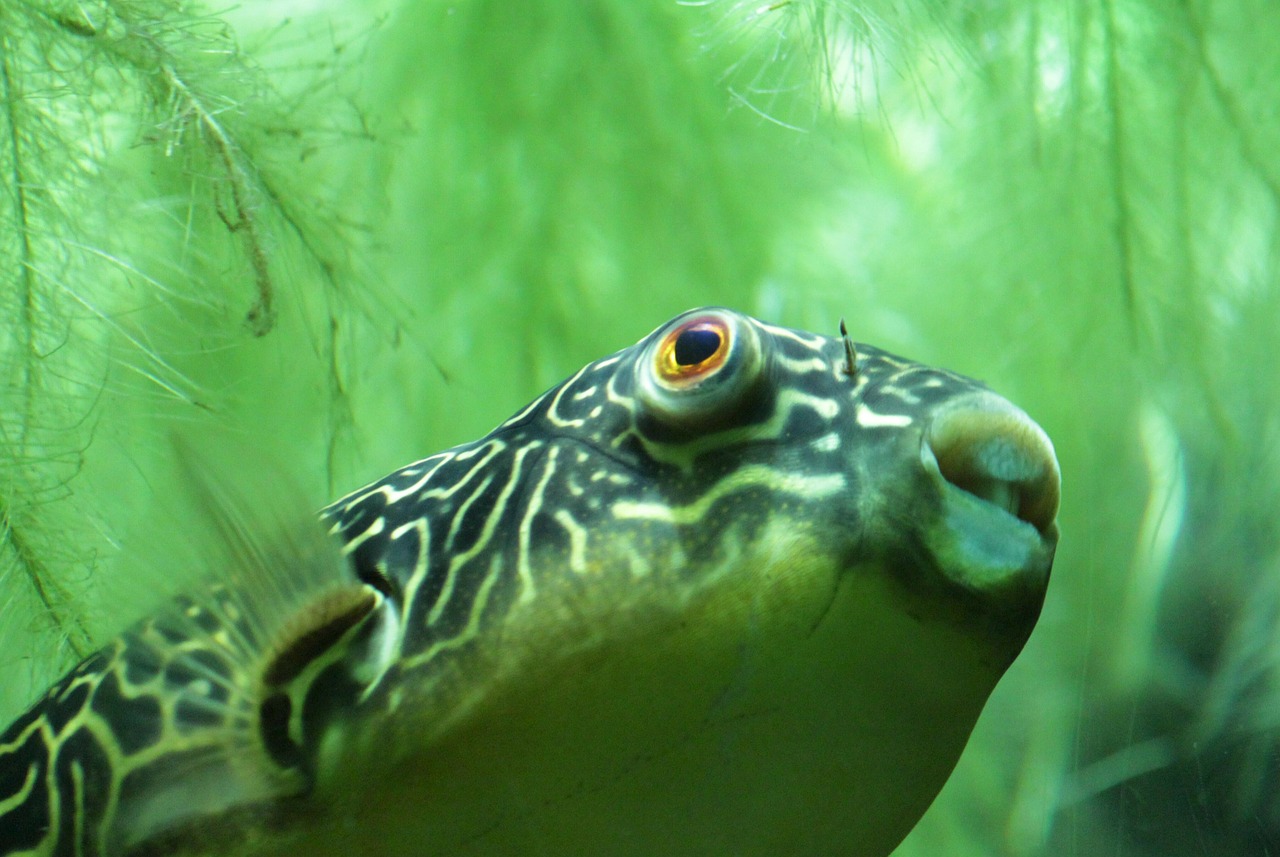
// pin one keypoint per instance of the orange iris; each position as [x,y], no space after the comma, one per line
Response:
[693,350]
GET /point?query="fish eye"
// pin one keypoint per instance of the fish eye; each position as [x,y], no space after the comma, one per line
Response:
[693,350]
[699,367]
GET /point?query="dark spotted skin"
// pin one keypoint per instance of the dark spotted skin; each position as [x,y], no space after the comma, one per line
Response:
[165,691]
[608,485]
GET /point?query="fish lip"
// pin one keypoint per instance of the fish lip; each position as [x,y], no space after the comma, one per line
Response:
[999,487]
[987,447]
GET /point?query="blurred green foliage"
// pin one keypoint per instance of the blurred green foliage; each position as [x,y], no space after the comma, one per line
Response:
[352,234]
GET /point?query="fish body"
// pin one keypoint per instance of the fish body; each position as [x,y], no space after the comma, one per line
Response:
[736,589]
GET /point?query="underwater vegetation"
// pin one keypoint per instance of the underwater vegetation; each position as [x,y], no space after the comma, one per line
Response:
[351,234]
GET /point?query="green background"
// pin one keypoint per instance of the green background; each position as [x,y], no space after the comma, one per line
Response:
[345,235]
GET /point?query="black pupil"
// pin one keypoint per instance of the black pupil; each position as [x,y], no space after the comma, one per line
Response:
[695,345]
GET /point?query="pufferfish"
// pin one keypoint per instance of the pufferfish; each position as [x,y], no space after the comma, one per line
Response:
[736,589]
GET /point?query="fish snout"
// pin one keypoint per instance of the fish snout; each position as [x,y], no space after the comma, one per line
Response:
[1000,485]
[986,446]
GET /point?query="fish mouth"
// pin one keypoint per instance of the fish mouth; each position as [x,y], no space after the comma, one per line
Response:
[1000,486]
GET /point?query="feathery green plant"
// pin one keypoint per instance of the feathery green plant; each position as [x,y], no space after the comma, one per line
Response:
[151,224]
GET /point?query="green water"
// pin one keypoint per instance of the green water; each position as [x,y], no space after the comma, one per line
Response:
[352,236]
